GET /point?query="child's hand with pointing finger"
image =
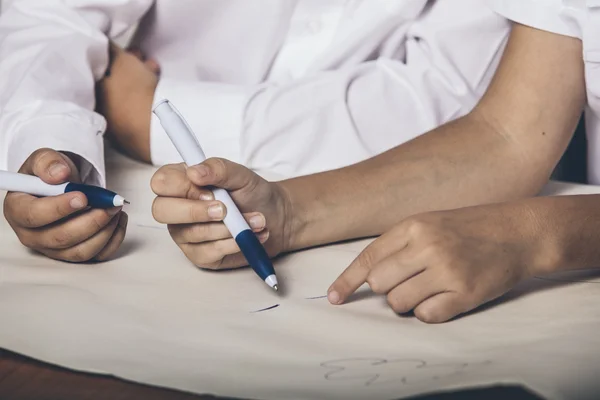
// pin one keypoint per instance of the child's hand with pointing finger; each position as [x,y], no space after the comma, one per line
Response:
[443,264]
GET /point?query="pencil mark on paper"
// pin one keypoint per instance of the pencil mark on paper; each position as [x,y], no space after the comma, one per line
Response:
[376,371]
[277,305]
[161,227]
[265,309]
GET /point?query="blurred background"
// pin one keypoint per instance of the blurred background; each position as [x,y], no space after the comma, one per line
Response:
[572,167]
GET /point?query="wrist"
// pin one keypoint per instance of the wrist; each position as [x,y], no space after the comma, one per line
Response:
[293,223]
[546,247]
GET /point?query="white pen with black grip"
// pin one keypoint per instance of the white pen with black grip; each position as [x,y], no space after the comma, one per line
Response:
[97,197]
[190,150]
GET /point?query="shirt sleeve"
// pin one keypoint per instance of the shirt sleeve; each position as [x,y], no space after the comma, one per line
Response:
[51,54]
[335,118]
[548,15]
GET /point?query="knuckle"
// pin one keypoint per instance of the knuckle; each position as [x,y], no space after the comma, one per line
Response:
[208,257]
[26,239]
[40,154]
[220,249]
[159,180]
[183,233]
[78,255]
[62,239]
[59,208]
[191,191]
[98,220]
[41,151]
[440,252]
[29,217]
[417,226]
[41,157]
[197,233]
[466,287]
[197,212]
[192,254]
[397,304]
[218,167]
[375,284]
[366,259]
[213,266]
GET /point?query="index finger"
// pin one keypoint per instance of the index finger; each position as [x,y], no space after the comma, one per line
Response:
[356,274]
[172,181]
[29,211]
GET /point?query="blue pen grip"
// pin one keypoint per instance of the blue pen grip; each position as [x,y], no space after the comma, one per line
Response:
[255,254]
[97,197]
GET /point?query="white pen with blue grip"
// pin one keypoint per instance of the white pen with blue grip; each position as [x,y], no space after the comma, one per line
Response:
[97,197]
[188,147]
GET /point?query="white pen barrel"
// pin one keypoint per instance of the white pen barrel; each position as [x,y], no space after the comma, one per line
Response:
[234,220]
[188,147]
[14,182]
[180,133]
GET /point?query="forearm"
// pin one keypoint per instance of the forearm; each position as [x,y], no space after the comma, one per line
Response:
[466,162]
[124,97]
[298,128]
[505,149]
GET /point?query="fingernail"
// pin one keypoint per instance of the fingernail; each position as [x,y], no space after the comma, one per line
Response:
[257,222]
[215,211]
[113,211]
[333,297]
[206,197]
[263,236]
[57,169]
[123,220]
[76,203]
[201,170]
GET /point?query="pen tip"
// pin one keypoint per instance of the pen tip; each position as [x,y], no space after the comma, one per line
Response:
[126,202]
[275,288]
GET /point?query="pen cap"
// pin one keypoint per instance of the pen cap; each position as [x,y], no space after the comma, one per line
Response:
[180,133]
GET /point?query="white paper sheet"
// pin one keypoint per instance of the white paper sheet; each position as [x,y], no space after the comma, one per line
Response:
[151,317]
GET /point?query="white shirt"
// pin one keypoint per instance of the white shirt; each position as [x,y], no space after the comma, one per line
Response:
[575,18]
[287,86]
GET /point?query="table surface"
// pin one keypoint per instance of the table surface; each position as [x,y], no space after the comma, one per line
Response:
[25,378]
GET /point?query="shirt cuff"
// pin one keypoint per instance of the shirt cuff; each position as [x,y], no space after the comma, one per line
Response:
[61,134]
[540,14]
[214,111]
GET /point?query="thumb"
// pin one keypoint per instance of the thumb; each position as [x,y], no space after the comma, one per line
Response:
[50,166]
[222,173]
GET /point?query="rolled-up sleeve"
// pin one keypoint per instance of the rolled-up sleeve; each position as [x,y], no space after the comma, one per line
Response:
[51,54]
[548,15]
